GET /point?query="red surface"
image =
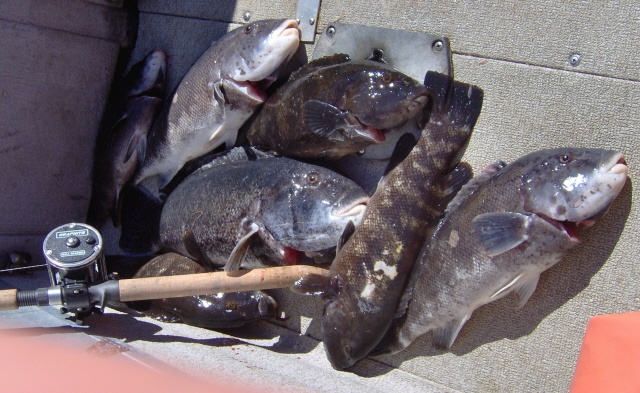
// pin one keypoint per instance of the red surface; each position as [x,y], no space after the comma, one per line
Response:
[609,360]
[30,365]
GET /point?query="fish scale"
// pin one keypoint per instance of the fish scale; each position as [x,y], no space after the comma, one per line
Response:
[371,269]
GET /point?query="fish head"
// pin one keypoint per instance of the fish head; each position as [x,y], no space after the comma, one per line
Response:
[311,207]
[575,185]
[148,77]
[257,51]
[383,98]
[347,333]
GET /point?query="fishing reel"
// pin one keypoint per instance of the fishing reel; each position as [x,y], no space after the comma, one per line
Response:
[75,263]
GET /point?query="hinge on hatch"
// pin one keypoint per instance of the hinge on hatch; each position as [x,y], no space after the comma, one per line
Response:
[307,17]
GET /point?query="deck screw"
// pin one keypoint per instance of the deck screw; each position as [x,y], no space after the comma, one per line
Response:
[438,45]
[246,16]
[574,59]
[331,31]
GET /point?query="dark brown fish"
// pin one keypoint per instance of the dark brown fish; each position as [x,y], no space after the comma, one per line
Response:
[214,311]
[370,271]
[334,106]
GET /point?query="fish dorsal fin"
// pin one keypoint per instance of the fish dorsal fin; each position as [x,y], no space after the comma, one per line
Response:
[523,286]
[445,336]
[473,184]
[313,284]
[323,119]
[240,250]
[349,229]
[402,149]
[501,232]
[322,62]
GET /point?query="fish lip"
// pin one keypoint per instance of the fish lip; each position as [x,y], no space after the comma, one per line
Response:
[568,227]
[616,165]
[288,29]
[375,135]
[354,208]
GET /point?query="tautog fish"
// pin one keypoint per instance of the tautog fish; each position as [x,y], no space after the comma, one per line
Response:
[372,267]
[213,311]
[216,96]
[334,106]
[270,211]
[122,148]
[503,229]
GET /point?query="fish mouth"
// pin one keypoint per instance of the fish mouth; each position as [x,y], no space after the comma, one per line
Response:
[568,227]
[354,209]
[374,135]
[615,166]
[278,48]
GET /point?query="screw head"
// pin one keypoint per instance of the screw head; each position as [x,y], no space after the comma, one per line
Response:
[437,45]
[574,59]
[246,16]
[331,31]
[312,21]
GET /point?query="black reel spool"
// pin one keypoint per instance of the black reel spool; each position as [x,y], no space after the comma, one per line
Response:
[75,261]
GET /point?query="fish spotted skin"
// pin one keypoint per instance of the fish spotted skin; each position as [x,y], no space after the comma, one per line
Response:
[370,271]
[216,96]
[270,211]
[121,151]
[333,106]
[212,311]
[502,230]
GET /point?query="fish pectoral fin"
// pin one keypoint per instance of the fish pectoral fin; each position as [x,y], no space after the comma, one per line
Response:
[313,284]
[240,250]
[349,229]
[218,93]
[501,232]
[445,336]
[322,118]
[525,287]
[402,149]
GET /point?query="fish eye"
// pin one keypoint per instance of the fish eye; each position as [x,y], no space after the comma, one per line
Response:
[248,29]
[313,178]
[565,158]
[386,78]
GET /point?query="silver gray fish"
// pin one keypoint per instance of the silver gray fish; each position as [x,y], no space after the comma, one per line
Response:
[216,96]
[270,211]
[371,269]
[123,148]
[503,229]
[213,311]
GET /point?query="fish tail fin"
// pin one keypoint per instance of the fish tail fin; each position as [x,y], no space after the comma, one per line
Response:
[139,220]
[455,102]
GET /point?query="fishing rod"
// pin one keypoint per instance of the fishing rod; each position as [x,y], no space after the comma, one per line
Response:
[81,286]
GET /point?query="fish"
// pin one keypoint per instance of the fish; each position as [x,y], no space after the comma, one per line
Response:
[368,276]
[257,213]
[119,153]
[212,311]
[334,106]
[216,96]
[502,230]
